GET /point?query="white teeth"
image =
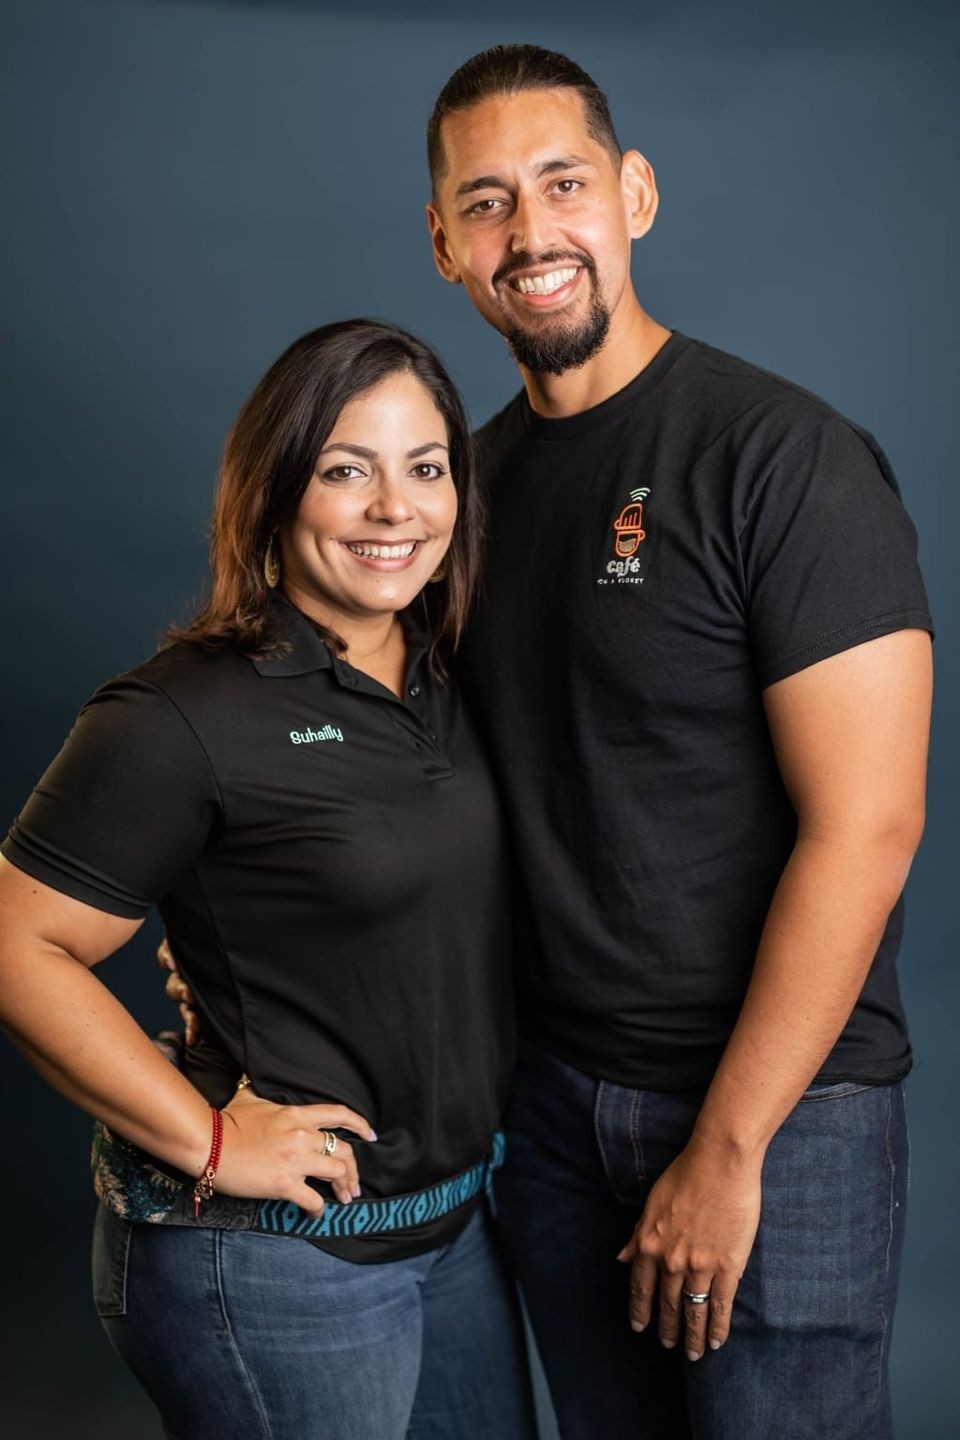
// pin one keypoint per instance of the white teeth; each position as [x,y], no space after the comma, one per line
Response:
[544,284]
[384,552]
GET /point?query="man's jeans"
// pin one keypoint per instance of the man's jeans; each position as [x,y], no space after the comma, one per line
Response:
[808,1350]
[260,1337]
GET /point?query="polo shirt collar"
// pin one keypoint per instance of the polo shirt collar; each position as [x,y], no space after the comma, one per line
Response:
[304,651]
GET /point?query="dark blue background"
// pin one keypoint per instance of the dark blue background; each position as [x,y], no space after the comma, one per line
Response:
[189,186]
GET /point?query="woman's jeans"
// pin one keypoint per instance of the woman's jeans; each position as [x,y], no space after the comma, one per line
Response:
[240,1334]
[807,1354]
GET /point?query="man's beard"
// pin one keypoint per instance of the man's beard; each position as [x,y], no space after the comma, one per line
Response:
[561,345]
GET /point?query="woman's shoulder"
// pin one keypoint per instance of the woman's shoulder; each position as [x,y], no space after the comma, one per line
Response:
[188,676]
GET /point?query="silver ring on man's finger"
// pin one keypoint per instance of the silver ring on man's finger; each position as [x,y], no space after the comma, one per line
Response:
[330,1144]
[699,1297]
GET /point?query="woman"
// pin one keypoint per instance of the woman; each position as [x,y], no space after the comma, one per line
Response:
[292,781]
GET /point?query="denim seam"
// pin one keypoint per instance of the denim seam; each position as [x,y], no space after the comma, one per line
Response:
[126,1268]
[245,1375]
[634,1126]
[600,1146]
[840,1090]
[892,1173]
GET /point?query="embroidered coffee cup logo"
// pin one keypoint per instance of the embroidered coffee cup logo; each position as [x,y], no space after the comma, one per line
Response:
[628,529]
[628,536]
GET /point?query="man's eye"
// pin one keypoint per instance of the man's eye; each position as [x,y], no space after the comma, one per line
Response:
[568,187]
[484,207]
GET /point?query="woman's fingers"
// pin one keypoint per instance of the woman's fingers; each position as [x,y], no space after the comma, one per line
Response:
[340,1169]
[287,1145]
[306,1197]
[337,1117]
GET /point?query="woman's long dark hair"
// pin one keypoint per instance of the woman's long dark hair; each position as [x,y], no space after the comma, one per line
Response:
[269,459]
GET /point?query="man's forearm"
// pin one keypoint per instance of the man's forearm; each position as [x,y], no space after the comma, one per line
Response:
[822,931]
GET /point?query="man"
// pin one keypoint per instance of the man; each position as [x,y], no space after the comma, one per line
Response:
[703,665]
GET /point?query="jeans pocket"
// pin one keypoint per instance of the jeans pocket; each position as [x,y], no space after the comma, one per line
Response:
[835,1089]
[111,1257]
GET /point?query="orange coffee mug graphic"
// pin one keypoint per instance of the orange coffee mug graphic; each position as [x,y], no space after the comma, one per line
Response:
[628,530]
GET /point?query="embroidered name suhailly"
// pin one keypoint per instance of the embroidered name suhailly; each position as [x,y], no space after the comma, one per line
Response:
[306,737]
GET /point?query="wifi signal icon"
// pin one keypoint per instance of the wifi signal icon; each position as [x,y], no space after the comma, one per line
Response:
[640,494]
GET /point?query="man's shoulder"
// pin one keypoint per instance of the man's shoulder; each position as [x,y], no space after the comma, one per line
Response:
[758,413]
[728,382]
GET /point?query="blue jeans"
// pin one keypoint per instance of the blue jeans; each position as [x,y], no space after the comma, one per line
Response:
[807,1354]
[235,1333]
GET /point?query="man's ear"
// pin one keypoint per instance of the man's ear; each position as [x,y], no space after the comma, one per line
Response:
[441,255]
[638,185]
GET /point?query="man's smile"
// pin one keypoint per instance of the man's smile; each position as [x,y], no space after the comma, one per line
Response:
[546,289]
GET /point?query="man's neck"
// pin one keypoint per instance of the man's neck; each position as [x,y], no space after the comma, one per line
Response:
[631,344]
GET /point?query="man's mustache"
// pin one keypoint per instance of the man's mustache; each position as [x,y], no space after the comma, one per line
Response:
[525,261]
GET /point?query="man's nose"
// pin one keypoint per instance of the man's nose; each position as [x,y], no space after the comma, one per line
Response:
[531,226]
[390,503]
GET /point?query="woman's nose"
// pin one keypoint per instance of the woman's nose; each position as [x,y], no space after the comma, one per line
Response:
[391,503]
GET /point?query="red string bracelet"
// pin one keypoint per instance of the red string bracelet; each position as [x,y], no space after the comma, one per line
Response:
[204,1186]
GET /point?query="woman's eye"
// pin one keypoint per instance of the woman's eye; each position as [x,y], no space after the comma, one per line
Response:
[428,471]
[343,472]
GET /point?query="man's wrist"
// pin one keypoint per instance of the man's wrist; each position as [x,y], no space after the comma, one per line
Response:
[733,1144]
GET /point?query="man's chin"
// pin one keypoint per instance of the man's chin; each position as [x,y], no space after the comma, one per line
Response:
[552,345]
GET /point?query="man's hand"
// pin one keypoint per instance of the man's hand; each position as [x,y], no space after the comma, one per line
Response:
[180,993]
[695,1235]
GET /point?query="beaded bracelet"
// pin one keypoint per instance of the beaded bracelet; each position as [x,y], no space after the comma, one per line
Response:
[204,1186]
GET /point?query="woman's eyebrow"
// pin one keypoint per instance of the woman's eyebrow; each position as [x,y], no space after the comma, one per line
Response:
[424,449]
[366,454]
[360,450]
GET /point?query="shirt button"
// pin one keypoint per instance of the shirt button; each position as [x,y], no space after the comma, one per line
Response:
[414,691]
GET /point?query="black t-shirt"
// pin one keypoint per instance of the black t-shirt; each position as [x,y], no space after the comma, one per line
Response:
[329,863]
[654,563]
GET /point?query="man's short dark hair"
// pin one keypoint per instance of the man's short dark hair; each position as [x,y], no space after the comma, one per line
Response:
[505,69]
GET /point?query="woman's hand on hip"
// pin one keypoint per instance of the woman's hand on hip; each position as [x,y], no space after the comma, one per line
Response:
[269,1151]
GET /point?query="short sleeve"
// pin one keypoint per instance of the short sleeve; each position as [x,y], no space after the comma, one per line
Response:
[829,554]
[126,808]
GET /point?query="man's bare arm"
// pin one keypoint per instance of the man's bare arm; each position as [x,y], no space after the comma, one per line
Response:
[851,739]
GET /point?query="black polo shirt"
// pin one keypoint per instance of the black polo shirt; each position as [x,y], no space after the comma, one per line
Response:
[328,860]
[654,563]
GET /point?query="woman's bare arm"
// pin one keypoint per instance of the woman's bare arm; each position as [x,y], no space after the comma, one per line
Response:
[90,1049]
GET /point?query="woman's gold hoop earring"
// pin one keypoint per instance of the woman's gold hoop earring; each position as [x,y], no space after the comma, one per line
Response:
[271,565]
[439,574]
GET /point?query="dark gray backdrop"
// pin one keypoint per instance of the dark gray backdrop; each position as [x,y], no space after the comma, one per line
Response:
[191,185]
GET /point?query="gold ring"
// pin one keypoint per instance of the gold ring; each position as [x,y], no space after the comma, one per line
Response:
[330,1144]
